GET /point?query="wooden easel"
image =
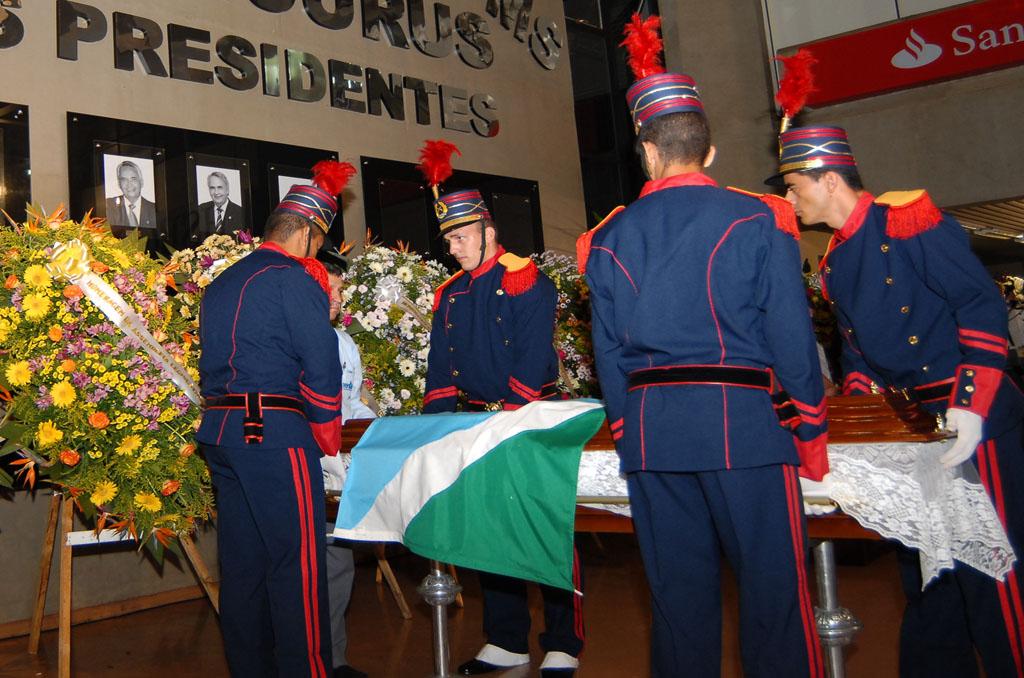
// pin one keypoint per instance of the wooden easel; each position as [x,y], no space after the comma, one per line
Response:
[60,507]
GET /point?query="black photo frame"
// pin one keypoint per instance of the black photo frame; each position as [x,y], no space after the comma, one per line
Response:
[400,207]
[209,177]
[15,165]
[178,175]
[114,166]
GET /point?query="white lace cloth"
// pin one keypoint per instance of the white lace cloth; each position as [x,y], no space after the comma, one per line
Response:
[899,490]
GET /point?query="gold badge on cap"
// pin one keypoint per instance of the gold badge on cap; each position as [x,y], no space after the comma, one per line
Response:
[440,209]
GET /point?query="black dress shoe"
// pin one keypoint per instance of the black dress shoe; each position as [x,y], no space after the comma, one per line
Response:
[346,671]
[557,673]
[474,667]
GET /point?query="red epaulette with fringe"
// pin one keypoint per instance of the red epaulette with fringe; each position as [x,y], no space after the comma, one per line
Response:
[520,274]
[910,213]
[583,242]
[440,290]
[317,272]
[782,210]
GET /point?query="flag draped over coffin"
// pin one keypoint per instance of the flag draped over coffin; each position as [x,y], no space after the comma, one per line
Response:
[492,491]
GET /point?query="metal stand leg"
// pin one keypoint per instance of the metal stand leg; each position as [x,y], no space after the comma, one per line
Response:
[439,590]
[836,625]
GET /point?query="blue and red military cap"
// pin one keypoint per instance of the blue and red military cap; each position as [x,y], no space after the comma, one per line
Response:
[655,93]
[817,147]
[312,203]
[317,203]
[661,94]
[457,209]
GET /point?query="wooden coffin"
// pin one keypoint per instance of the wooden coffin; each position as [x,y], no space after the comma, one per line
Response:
[882,417]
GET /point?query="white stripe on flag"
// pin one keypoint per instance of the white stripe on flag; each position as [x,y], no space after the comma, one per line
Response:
[436,466]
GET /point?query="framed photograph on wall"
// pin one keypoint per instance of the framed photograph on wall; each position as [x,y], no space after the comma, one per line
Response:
[130,187]
[15,165]
[280,179]
[218,195]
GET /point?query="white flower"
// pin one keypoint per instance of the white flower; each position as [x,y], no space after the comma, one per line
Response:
[376,267]
[362,289]
[407,368]
[404,273]
[405,394]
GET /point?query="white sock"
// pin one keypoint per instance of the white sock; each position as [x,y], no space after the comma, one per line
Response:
[492,654]
[559,660]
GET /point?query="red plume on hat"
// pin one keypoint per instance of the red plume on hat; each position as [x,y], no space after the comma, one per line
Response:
[332,176]
[796,84]
[644,45]
[436,162]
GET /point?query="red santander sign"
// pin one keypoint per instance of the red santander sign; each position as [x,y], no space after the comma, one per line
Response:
[979,36]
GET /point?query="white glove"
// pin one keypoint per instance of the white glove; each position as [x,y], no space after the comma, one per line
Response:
[334,472]
[967,426]
[817,495]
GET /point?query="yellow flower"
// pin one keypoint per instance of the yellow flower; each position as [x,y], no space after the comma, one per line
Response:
[48,434]
[19,374]
[120,257]
[35,306]
[147,501]
[104,492]
[63,394]
[37,276]
[129,444]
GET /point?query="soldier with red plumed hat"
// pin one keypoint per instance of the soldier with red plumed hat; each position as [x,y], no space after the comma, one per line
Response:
[918,311]
[491,348]
[710,375]
[271,383]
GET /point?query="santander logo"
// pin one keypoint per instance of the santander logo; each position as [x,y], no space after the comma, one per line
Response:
[917,53]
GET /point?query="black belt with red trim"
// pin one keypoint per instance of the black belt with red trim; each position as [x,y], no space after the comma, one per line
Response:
[253,404]
[701,374]
[749,377]
[933,392]
[466,404]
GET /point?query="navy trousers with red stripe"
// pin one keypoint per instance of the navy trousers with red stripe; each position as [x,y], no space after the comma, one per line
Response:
[965,609]
[507,613]
[270,538]
[683,523]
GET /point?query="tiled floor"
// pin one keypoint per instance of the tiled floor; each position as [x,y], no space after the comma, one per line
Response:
[183,640]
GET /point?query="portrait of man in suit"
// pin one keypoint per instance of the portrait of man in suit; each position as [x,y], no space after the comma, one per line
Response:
[220,214]
[130,209]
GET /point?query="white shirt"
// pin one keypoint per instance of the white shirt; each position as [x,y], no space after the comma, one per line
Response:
[351,406]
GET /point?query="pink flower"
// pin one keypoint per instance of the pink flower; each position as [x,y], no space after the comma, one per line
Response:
[346,319]
[244,237]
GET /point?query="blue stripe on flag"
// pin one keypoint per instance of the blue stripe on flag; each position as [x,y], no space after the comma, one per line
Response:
[390,446]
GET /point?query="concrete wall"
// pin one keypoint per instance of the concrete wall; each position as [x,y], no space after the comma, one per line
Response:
[534,105]
[100,574]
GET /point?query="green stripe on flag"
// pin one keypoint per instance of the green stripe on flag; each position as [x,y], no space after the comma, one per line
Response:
[513,511]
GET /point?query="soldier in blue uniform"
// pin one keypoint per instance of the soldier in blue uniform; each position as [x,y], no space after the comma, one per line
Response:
[271,380]
[709,370]
[919,312]
[491,349]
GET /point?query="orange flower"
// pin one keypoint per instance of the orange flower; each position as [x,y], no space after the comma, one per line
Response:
[55,333]
[69,457]
[73,292]
[68,365]
[169,487]
[99,420]
[11,282]
[188,338]
[98,267]
[187,450]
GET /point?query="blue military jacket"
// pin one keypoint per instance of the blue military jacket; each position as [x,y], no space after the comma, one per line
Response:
[916,308]
[692,274]
[264,327]
[492,336]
